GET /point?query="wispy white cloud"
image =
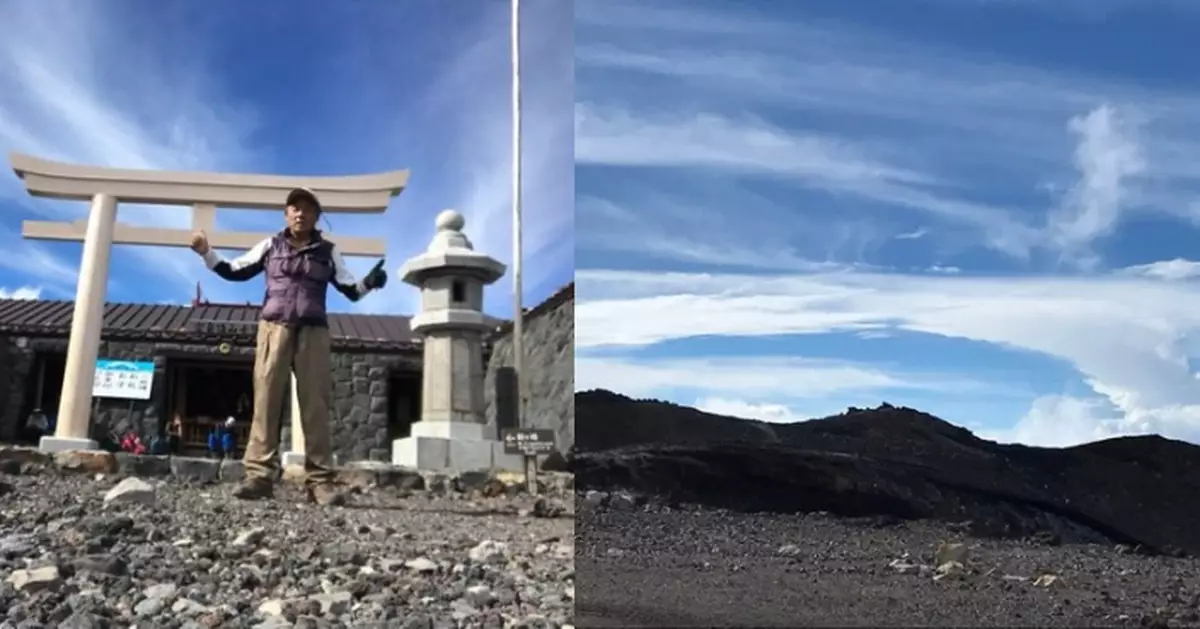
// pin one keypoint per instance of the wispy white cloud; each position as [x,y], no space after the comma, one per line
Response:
[1130,338]
[752,376]
[681,234]
[485,144]
[1107,157]
[1174,270]
[836,178]
[710,141]
[83,84]
[913,235]
[915,103]
[78,87]
[33,262]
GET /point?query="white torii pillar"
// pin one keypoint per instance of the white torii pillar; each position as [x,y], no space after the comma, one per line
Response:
[296,455]
[204,193]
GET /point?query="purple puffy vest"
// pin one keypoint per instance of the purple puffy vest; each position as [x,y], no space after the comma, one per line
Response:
[297,280]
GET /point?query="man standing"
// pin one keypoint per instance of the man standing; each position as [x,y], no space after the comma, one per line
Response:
[293,337]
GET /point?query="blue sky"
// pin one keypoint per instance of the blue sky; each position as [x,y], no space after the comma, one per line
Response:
[303,88]
[987,210]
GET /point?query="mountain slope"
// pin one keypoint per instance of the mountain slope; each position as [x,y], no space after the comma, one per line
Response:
[894,462]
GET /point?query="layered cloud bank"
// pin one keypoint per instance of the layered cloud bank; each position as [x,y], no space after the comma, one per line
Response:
[783,213]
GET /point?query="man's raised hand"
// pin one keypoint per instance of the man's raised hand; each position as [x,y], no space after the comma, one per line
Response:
[376,278]
[200,242]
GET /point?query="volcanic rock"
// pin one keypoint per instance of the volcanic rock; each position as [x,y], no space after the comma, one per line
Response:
[894,462]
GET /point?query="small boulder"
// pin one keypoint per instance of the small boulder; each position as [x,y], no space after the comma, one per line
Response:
[1045,580]
[334,603]
[421,565]
[950,569]
[489,552]
[36,579]
[273,607]
[131,490]
[250,537]
[86,461]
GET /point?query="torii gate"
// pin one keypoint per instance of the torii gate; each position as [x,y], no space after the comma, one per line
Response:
[204,192]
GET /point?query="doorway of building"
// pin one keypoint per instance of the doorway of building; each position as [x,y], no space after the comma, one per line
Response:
[44,394]
[404,404]
[204,394]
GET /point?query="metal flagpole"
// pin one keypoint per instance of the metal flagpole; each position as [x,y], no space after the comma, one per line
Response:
[518,310]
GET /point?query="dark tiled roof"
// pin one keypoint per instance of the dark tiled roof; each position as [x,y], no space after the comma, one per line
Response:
[36,317]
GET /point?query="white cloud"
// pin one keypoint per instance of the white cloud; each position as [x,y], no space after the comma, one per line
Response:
[1130,338]
[34,263]
[711,141]
[903,141]
[762,377]
[1063,421]
[1107,157]
[681,233]
[907,106]
[77,87]
[77,84]
[1171,270]
[916,234]
[21,292]
[774,413]
[482,151]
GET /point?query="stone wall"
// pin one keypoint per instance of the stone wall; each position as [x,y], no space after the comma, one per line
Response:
[359,419]
[549,338]
[360,404]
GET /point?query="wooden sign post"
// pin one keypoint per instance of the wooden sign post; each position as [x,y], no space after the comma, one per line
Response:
[529,444]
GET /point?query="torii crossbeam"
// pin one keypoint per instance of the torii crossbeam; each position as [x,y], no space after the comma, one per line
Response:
[204,193]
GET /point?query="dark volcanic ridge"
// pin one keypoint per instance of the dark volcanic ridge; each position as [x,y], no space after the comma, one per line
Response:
[894,462]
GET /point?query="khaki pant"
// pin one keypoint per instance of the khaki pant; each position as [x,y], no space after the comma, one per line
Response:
[281,350]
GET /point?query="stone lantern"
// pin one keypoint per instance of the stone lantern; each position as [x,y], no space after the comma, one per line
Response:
[451,432]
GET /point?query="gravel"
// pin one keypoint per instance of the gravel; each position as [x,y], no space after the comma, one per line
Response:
[652,565]
[83,551]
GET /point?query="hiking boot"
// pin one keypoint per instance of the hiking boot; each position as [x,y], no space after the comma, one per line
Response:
[326,495]
[254,489]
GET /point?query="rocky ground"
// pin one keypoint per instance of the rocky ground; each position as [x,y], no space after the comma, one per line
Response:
[900,462]
[654,565]
[876,516]
[91,551]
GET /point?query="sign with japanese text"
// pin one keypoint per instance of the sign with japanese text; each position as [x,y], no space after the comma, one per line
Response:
[124,379]
[528,442]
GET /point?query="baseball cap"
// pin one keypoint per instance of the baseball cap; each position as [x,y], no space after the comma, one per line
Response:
[303,194]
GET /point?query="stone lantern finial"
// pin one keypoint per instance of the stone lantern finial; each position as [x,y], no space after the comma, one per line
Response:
[449,234]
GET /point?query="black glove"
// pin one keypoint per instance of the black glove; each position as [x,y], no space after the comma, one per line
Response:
[376,278]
